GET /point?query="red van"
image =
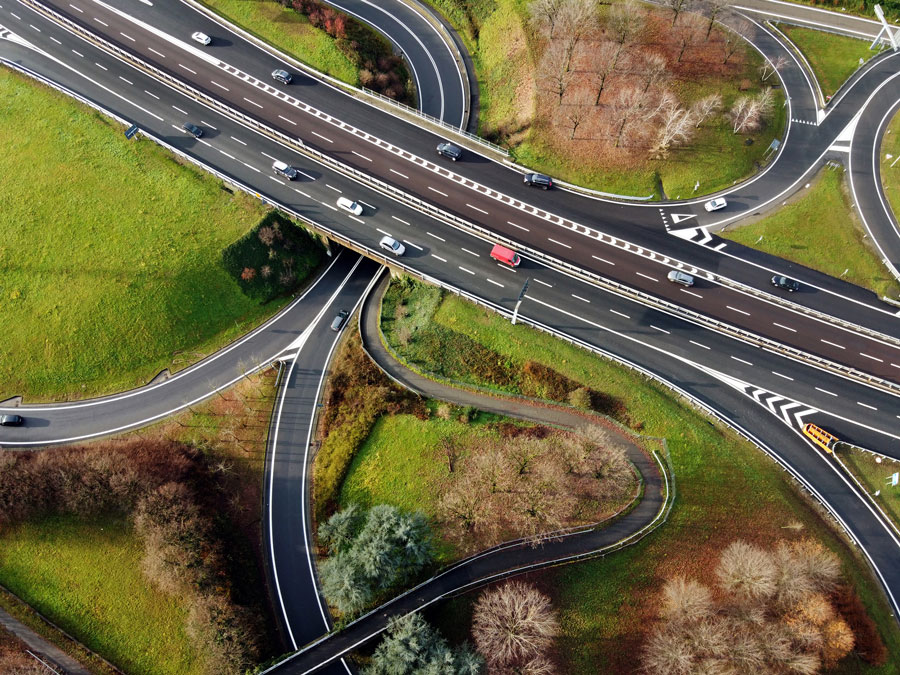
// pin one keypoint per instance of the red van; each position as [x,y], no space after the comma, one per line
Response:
[505,255]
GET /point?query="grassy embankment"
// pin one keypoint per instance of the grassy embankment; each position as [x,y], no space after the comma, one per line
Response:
[890,167]
[821,231]
[727,489]
[110,253]
[833,58]
[875,476]
[74,571]
[504,51]
[290,32]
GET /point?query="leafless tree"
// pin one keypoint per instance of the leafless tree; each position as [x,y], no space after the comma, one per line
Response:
[625,21]
[746,571]
[705,107]
[686,600]
[654,69]
[769,68]
[688,32]
[513,624]
[554,69]
[544,14]
[677,7]
[748,113]
[603,60]
[575,116]
[576,19]
[733,40]
[676,127]
[713,9]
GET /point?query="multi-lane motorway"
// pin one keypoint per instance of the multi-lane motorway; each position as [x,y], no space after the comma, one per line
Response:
[631,245]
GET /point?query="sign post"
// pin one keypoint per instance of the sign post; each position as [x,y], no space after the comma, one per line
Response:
[132,130]
[519,301]
[885,28]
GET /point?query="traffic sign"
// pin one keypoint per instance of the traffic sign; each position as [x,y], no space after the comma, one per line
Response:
[132,130]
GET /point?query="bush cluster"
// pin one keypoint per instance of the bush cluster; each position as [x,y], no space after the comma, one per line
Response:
[170,492]
[379,69]
[272,258]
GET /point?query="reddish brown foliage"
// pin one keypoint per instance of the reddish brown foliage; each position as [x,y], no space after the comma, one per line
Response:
[869,645]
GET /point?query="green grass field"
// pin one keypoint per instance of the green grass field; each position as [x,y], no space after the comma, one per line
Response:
[820,230]
[890,175]
[290,32]
[110,253]
[727,489]
[875,476]
[86,577]
[833,58]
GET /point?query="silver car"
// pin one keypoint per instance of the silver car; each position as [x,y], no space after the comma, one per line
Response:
[679,277]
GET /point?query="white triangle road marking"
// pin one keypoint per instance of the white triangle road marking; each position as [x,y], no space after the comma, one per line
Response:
[678,217]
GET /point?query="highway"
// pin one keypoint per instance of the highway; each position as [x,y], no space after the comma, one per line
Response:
[599,236]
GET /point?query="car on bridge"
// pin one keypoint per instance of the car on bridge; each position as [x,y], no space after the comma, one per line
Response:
[349,205]
[450,151]
[285,170]
[392,245]
[192,129]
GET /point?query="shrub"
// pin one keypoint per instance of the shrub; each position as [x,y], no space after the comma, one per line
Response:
[580,398]
[869,644]
[412,647]
[274,241]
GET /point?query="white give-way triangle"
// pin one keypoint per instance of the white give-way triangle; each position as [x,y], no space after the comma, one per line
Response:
[678,217]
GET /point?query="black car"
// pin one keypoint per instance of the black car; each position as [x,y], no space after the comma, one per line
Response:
[282,76]
[192,129]
[449,151]
[11,421]
[538,180]
[785,284]
[339,320]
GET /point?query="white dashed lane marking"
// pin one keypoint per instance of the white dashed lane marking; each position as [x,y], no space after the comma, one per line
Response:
[866,405]
[443,194]
[435,236]
[647,276]
[620,314]
[402,175]
[739,311]
[558,242]
[698,344]
[438,257]
[833,344]
[465,270]
[578,297]
[324,138]
[825,391]
[471,252]
[793,330]
[661,330]
[742,361]
[496,283]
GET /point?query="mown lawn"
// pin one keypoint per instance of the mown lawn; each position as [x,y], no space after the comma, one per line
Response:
[727,489]
[820,230]
[289,32]
[890,172]
[110,253]
[833,58]
[86,577]
[876,475]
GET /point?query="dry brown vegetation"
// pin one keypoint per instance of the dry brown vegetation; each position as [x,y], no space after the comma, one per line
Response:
[619,85]
[13,658]
[530,482]
[175,497]
[774,611]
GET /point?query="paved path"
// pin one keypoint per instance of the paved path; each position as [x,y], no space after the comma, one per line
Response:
[41,647]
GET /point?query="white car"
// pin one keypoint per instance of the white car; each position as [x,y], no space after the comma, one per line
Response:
[715,204]
[679,277]
[392,245]
[202,38]
[350,205]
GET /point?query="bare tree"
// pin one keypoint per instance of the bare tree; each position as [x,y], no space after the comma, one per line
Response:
[746,571]
[654,69]
[713,9]
[733,40]
[554,69]
[705,107]
[688,33]
[603,60]
[575,116]
[769,68]
[676,127]
[677,6]
[686,600]
[544,14]
[748,113]
[625,21]
[513,624]
[577,19]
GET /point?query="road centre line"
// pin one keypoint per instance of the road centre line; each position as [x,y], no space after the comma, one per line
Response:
[250,166]
[465,270]
[252,102]
[793,330]
[647,276]
[620,314]
[324,138]
[238,140]
[156,52]
[825,391]
[386,234]
[264,154]
[438,191]
[509,222]
[101,22]
[742,361]
[544,283]
[299,191]
[331,187]
[400,220]
[220,86]
[77,9]
[866,405]
[207,124]
[100,66]
[739,311]
[36,28]
[603,260]
[438,257]
[476,208]
[276,180]
[77,54]
[127,36]
[20,18]
[578,297]
[192,72]
[558,242]
[361,155]
[128,81]
[153,95]
[287,120]
[183,112]
[54,39]
[371,206]
[402,175]
[661,330]
[699,344]
[874,358]
[471,252]
[496,283]
[333,208]
[784,376]
[833,344]
[435,236]
[227,155]
[415,246]
[696,295]
[304,174]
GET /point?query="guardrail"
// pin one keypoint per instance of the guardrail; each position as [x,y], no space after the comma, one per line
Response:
[470,228]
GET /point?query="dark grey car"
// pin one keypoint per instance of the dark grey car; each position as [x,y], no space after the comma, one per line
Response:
[449,151]
[192,129]
[11,421]
[785,283]
[339,320]
[538,180]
